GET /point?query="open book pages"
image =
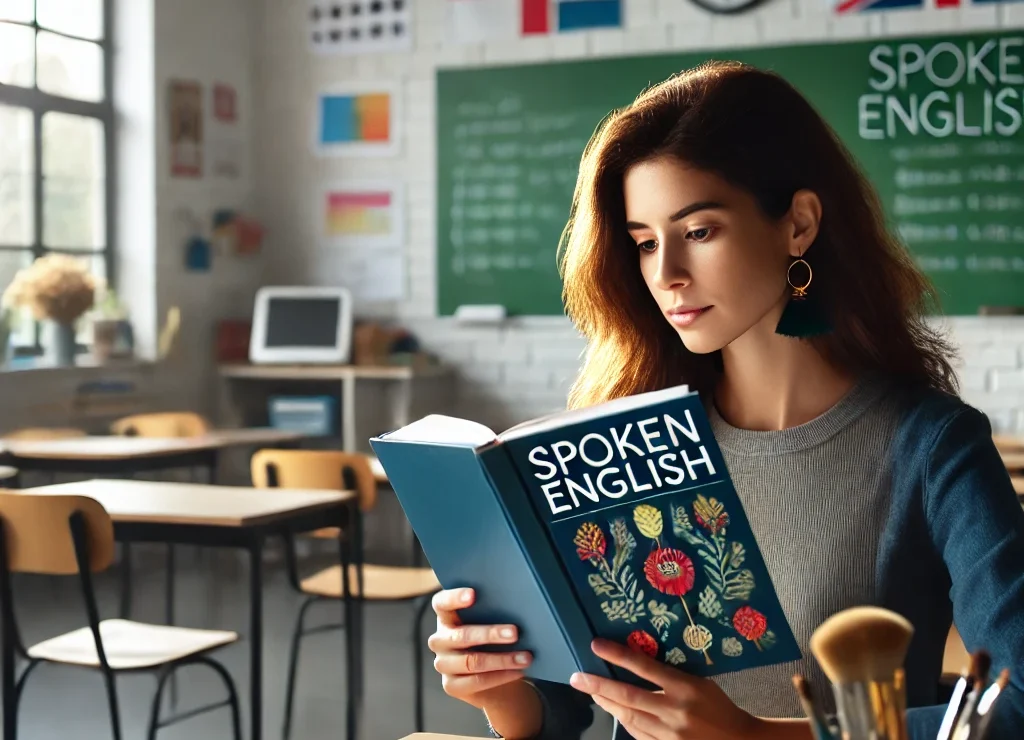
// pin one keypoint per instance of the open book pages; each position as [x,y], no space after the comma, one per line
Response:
[441,429]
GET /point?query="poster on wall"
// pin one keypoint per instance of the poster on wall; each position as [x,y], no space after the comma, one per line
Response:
[224,145]
[225,103]
[373,277]
[359,26]
[185,106]
[357,120]
[367,214]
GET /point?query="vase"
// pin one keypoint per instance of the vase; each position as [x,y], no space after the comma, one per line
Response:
[62,344]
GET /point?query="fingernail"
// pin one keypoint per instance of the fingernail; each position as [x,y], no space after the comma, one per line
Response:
[522,658]
[578,681]
[466,596]
[507,633]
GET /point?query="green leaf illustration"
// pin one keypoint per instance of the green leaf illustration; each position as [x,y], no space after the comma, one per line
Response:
[737,556]
[738,585]
[732,647]
[675,656]
[661,617]
[767,640]
[625,543]
[682,527]
[600,586]
[622,609]
[709,605]
[628,584]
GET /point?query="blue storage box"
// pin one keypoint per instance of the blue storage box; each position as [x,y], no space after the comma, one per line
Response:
[316,416]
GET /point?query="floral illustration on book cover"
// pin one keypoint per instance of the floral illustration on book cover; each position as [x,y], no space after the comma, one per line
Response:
[645,570]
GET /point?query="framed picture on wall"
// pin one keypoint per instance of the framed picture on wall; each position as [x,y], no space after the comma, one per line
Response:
[185,112]
[357,119]
[367,214]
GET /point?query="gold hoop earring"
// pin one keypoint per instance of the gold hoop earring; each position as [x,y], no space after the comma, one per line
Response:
[799,291]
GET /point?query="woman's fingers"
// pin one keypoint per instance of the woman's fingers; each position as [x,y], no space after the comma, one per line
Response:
[466,686]
[471,636]
[466,663]
[640,725]
[447,603]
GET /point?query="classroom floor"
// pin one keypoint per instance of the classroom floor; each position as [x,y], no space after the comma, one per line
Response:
[67,702]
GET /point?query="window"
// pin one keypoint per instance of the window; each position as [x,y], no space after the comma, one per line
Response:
[56,138]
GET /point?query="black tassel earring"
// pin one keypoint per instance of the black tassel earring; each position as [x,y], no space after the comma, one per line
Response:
[804,315]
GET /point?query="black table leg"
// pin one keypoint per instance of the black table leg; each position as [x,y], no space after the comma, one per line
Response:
[256,637]
[126,580]
[351,657]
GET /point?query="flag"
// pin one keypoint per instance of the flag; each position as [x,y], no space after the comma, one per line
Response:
[474,21]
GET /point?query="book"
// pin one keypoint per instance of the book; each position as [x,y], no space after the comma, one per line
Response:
[617,521]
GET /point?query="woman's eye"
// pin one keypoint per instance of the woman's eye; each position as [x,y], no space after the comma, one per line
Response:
[700,235]
[648,246]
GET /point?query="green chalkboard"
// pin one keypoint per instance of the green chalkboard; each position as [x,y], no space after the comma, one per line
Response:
[934,121]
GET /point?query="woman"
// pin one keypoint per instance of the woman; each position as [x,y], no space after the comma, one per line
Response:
[721,236]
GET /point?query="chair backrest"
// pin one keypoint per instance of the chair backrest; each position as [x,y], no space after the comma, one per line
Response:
[316,469]
[38,535]
[164,424]
[44,433]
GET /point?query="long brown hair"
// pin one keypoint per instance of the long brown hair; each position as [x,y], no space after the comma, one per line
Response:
[758,133]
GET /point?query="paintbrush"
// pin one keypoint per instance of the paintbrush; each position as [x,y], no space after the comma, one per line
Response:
[981,662]
[819,727]
[983,714]
[861,649]
[956,702]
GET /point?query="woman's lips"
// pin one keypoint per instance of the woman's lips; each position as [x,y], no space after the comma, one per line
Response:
[685,316]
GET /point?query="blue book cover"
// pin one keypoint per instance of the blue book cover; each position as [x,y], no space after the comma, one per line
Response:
[625,517]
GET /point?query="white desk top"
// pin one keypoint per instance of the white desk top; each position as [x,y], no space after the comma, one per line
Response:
[126,448]
[188,503]
[330,372]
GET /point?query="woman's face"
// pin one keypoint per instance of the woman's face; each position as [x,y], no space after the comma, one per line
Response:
[714,262]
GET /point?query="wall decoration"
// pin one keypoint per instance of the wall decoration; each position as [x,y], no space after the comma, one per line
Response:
[475,21]
[373,277]
[858,6]
[185,109]
[359,26]
[359,120]
[364,214]
[225,103]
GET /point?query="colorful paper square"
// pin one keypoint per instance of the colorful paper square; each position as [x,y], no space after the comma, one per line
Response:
[578,14]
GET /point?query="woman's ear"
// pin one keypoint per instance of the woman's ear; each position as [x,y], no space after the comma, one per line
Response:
[805,218]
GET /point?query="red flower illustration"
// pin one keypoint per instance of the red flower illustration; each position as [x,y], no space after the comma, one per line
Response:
[590,542]
[670,571]
[750,623]
[643,643]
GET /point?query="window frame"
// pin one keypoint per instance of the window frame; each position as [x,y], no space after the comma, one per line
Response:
[40,103]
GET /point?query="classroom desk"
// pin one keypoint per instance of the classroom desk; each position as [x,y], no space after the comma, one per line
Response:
[105,455]
[412,392]
[239,517]
[1008,442]
[1018,484]
[1014,461]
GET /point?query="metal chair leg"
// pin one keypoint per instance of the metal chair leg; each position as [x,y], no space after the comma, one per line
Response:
[229,684]
[417,658]
[154,713]
[293,664]
[115,716]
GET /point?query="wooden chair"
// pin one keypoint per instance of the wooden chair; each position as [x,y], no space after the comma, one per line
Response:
[43,433]
[324,469]
[10,477]
[165,424]
[955,658]
[73,535]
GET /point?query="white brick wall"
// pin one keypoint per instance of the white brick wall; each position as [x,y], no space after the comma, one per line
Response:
[525,368]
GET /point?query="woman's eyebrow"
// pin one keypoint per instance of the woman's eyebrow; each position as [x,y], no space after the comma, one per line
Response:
[681,213]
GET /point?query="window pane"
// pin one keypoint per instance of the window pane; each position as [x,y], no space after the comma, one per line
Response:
[76,17]
[16,10]
[23,333]
[98,265]
[70,68]
[17,157]
[73,182]
[16,49]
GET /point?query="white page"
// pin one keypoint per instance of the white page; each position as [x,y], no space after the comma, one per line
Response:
[575,416]
[442,429]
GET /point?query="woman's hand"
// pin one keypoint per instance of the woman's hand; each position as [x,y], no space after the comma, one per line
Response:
[686,708]
[469,675]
